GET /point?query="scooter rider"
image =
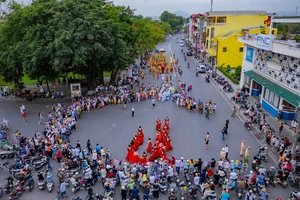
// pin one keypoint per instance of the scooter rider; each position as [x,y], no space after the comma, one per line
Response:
[241,184]
[233,175]
[40,176]
[49,178]
[260,179]
[272,173]
[262,170]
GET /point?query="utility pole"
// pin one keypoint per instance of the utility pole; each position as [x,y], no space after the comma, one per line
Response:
[211,4]
[296,11]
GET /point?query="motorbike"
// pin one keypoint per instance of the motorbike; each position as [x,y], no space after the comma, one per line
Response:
[183,190]
[39,160]
[163,184]
[40,165]
[212,196]
[76,187]
[207,79]
[248,125]
[30,185]
[15,194]
[50,186]
[273,181]
[7,154]
[240,193]
[41,184]
[295,195]
[9,186]
[78,198]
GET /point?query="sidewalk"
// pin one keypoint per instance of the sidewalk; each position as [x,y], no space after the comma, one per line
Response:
[270,119]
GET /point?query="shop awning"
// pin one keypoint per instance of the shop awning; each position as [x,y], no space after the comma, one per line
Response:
[274,87]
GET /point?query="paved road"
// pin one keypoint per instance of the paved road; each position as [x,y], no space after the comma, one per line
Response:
[113,127]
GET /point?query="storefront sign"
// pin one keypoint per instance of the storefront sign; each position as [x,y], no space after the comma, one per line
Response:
[264,41]
[249,54]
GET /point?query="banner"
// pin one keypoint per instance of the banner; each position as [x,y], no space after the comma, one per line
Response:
[249,54]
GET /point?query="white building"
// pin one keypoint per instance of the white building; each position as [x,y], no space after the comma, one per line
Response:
[271,69]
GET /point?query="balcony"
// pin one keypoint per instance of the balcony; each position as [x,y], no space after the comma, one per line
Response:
[215,24]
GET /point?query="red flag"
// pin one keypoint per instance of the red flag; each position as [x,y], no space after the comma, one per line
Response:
[268,21]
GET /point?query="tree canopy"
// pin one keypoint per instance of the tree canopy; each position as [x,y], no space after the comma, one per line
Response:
[50,38]
[176,22]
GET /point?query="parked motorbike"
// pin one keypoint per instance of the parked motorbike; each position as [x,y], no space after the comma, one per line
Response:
[30,185]
[15,194]
[9,185]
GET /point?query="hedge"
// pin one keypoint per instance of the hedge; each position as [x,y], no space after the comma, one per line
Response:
[230,75]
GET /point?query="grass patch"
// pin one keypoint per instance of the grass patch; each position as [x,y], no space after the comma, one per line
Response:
[27,81]
[227,72]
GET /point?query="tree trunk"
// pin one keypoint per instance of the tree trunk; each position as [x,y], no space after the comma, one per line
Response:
[48,88]
[113,77]
[101,77]
[91,81]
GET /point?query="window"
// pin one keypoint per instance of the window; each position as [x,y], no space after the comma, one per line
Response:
[224,49]
[271,97]
[207,32]
[266,94]
[212,33]
[206,44]
[241,49]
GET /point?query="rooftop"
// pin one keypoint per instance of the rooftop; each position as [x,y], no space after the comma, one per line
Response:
[237,12]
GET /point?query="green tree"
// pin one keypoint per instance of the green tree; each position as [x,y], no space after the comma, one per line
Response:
[176,22]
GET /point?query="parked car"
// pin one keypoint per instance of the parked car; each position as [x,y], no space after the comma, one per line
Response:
[201,69]
[189,53]
[181,44]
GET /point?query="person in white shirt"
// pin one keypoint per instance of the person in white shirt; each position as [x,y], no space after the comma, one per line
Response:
[132,111]
[197,180]
[153,103]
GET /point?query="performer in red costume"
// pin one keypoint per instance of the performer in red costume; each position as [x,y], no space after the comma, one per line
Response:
[158,124]
[140,131]
[136,157]
[168,145]
[158,137]
[130,153]
[136,143]
[167,123]
[140,138]
[166,129]
[149,146]
[143,159]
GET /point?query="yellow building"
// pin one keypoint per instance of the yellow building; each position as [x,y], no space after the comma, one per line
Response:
[222,31]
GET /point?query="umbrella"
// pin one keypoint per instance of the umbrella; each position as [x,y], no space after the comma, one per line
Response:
[162,50]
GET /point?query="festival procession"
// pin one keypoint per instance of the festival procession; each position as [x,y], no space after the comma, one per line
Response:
[149,169]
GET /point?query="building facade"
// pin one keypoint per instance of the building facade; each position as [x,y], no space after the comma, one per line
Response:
[221,32]
[195,28]
[271,70]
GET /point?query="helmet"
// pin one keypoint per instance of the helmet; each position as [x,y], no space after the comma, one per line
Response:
[261,166]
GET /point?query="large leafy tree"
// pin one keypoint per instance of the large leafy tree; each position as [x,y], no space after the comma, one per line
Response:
[50,38]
